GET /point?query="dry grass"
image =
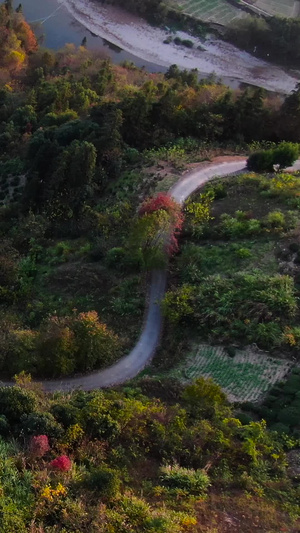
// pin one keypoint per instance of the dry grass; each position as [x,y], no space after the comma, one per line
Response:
[241,514]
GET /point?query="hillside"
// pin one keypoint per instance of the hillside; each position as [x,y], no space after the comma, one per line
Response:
[88,154]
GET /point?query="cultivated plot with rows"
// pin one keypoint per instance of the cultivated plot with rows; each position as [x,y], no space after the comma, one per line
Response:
[244,377]
[286,8]
[218,11]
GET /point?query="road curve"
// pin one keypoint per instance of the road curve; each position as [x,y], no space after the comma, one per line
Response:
[130,365]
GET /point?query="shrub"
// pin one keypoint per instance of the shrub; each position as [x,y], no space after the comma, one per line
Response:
[289,416]
[294,247]
[65,413]
[39,445]
[77,342]
[4,425]
[155,231]
[104,481]
[95,343]
[219,190]
[275,219]
[115,258]
[177,40]
[283,155]
[41,424]
[15,402]
[267,414]
[132,155]
[266,334]
[261,161]
[280,428]
[62,463]
[187,43]
[230,350]
[244,418]
[239,225]
[193,481]
[243,253]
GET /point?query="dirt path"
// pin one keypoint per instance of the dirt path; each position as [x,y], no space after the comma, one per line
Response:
[130,365]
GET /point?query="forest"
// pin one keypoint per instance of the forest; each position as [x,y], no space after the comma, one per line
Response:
[88,151]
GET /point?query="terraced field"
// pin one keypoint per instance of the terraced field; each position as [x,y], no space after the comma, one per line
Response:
[222,12]
[218,11]
[284,8]
[244,377]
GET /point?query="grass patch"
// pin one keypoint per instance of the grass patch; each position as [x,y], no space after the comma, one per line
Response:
[196,262]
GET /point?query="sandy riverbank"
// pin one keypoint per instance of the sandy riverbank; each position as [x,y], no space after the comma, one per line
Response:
[134,35]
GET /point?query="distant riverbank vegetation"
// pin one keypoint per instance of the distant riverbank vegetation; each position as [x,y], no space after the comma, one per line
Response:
[275,38]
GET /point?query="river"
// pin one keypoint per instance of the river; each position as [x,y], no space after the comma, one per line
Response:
[61,28]
[56,26]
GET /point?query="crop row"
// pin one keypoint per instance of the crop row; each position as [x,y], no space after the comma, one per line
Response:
[216,10]
[244,377]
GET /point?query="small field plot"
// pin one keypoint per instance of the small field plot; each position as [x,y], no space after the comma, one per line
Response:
[284,8]
[244,377]
[218,11]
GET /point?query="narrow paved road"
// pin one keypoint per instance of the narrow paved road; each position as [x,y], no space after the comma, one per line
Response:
[130,365]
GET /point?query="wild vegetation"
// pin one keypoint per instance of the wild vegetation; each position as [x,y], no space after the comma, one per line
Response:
[126,462]
[237,270]
[280,407]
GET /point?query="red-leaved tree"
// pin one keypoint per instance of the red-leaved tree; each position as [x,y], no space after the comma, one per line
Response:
[39,445]
[164,202]
[62,463]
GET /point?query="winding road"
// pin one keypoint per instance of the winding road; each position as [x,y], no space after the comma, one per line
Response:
[130,365]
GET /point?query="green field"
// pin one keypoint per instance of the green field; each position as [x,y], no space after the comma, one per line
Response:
[222,12]
[218,11]
[244,377]
[286,8]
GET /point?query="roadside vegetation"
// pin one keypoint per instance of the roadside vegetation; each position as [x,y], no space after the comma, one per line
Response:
[238,272]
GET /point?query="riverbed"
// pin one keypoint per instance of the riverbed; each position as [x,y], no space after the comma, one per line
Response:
[123,36]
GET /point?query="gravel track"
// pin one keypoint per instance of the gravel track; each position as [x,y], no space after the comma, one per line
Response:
[130,365]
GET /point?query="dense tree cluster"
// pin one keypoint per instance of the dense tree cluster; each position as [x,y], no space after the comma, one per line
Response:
[275,38]
[17,40]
